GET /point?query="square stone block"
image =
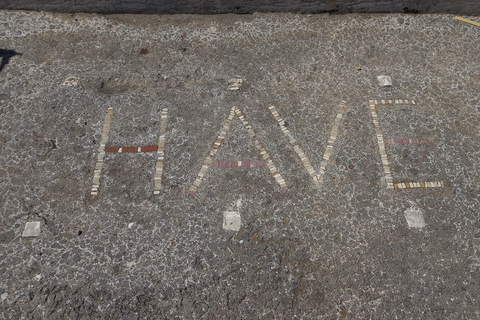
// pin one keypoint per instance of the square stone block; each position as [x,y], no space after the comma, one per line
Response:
[32,229]
[232,221]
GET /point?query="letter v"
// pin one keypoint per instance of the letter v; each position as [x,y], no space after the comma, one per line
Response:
[235,111]
[316,176]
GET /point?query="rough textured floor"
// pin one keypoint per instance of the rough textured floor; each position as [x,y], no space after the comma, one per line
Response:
[349,248]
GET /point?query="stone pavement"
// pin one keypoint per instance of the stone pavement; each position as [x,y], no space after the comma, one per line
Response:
[239,167]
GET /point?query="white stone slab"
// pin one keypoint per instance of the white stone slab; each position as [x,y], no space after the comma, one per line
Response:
[414,217]
[232,221]
[384,81]
[32,229]
[4,296]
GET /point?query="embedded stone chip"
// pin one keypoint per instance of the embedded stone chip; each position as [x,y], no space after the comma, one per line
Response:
[71,81]
[232,221]
[414,217]
[384,81]
[32,229]
[234,84]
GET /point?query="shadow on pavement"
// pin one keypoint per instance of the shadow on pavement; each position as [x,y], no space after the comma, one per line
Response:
[5,55]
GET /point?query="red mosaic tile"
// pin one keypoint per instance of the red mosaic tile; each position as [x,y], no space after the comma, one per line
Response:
[406,141]
[112,149]
[130,149]
[149,148]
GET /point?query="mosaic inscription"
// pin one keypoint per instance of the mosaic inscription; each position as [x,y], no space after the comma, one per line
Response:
[382,141]
[317,177]
[208,162]
[102,149]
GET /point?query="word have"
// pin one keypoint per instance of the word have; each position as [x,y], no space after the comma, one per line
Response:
[209,162]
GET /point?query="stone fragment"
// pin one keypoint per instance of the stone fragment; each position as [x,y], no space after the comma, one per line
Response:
[234,84]
[3,296]
[384,81]
[71,81]
[414,217]
[32,229]
[232,221]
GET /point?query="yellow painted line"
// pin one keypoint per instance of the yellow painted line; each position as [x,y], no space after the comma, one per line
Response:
[468,21]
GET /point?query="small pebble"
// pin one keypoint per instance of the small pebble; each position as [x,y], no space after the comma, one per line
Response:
[3,296]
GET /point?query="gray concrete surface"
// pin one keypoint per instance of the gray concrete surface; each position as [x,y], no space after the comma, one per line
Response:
[246,6]
[349,249]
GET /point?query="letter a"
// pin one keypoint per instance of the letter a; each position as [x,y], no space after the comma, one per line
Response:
[210,163]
